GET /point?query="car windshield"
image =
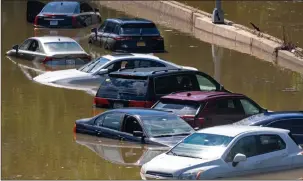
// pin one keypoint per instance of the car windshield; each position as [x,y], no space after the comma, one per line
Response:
[202,145]
[94,65]
[60,7]
[179,107]
[139,29]
[126,88]
[63,47]
[166,125]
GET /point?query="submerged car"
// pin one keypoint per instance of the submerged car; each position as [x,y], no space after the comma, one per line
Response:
[226,151]
[290,120]
[204,109]
[142,87]
[51,50]
[62,14]
[92,74]
[121,153]
[147,126]
[128,35]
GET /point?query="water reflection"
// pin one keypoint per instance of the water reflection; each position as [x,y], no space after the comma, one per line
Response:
[121,153]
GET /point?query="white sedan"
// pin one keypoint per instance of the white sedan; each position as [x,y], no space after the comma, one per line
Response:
[90,75]
[226,151]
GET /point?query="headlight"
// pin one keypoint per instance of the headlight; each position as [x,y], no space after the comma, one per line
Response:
[191,175]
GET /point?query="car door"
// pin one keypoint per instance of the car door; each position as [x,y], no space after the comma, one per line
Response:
[22,49]
[111,126]
[107,38]
[35,51]
[223,111]
[86,14]
[131,124]
[33,8]
[100,33]
[295,125]
[246,145]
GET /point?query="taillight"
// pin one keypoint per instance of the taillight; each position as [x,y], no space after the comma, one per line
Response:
[100,101]
[122,38]
[36,20]
[158,38]
[47,59]
[89,57]
[74,21]
[188,117]
[75,128]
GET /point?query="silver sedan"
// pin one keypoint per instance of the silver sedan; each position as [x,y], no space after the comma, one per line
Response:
[51,50]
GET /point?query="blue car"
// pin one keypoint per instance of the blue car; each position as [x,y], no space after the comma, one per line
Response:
[62,14]
[290,120]
[147,126]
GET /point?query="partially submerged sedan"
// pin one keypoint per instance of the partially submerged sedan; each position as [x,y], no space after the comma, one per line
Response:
[92,74]
[62,14]
[52,50]
[226,151]
[147,126]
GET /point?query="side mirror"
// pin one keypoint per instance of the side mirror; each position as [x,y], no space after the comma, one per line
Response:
[15,47]
[138,133]
[94,30]
[196,128]
[103,71]
[238,158]
[96,10]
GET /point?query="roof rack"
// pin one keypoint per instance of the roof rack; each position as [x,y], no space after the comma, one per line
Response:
[166,70]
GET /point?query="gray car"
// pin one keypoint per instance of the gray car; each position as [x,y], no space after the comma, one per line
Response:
[90,75]
[52,50]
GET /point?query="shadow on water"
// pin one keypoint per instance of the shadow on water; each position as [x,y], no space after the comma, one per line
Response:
[37,120]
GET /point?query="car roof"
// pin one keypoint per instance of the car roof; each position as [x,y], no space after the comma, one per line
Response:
[234,130]
[142,112]
[267,117]
[117,56]
[47,39]
[131,20]
[150,72]
[199,96]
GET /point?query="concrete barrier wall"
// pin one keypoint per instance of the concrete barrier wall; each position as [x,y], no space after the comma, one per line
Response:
[187,19]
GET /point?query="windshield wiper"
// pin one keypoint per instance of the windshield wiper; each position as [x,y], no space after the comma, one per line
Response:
[181,134]
[169,135]
[163,135]
[188,156]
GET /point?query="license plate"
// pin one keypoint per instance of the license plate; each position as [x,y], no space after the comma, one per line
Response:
[53,23]
[141,44]
[118,105]
[70,62]
[53,33]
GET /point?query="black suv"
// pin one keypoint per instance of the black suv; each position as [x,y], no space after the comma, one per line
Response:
[128,35]
[142,87]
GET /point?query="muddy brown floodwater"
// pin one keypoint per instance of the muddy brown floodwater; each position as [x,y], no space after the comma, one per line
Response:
[37,120]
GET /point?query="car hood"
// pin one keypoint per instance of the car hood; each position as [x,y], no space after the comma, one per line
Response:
[50,77]
[175,165]
[168,141]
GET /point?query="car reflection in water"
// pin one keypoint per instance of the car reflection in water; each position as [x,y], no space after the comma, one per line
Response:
[120,152]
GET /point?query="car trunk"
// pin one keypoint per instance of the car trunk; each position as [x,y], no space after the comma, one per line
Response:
[55,20]
[67,58]
[141,42]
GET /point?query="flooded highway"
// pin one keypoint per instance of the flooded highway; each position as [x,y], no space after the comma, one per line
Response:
[37,120]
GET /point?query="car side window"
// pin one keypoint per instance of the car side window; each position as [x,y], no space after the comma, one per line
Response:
[294,125]
[130,125]
[25,44]
[113,121]
[148,63]
[34,46]
[173,83]
[99,120]
[270,143]
[102,27]
[205,84]
[227,106]
[109,27]
[249,108]
[84,7]
[116,29]
[246,145]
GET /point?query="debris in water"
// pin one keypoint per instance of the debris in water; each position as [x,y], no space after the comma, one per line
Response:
[168,30]
[19,176]
[193,46]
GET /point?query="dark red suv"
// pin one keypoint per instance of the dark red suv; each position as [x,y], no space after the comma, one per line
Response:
[204,109]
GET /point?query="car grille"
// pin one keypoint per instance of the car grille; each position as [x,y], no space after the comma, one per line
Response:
[160,174]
